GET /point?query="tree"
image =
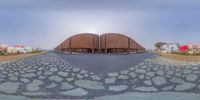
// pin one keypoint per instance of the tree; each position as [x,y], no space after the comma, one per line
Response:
[159,44]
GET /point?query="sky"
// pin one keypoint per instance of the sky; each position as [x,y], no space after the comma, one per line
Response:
[47,23]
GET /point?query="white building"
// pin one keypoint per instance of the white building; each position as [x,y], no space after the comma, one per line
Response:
[28,49]
[170,47]
[194,48]
[3,48]
[11,50]
[19,49]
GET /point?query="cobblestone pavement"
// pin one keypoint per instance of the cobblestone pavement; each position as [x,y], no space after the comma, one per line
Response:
[109,62]
[49,76]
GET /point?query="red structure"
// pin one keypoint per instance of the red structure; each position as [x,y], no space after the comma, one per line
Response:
[184,48]
[19,46]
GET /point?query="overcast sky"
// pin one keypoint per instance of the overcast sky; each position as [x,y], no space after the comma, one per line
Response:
[46,23]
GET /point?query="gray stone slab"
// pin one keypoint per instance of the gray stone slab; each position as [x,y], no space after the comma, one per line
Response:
[95,77]
[55,78]
[36,94]
[140,71]
[63,74]
[118,88]
[191,77]
[146,89]
[159,80]
[89,84]
[184,86]
[110,80]
[113,74]
[124,77]
[24,80]
[29,75]
[34,85]
[9,87]
[50,86]
[75,92]
[176,80]
[66,85]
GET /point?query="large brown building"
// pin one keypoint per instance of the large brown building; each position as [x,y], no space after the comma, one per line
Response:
[106,43]
[82,43]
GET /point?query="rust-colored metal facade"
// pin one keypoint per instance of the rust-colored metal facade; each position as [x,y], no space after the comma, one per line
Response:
[118,43]
[106,43]
[81,43]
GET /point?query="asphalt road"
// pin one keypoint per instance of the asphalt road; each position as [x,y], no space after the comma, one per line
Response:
[105,63]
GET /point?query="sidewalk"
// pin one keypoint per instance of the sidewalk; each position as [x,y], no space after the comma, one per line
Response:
[153,96]
[19,56]
[127,96]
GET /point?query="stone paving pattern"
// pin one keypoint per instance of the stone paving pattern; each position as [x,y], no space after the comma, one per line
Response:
[49,76]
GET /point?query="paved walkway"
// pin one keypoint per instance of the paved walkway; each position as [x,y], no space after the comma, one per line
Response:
[127,96]
[104,63]
[51,76]
[152,96]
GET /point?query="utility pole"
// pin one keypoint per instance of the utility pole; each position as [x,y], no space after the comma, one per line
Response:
[99,44]
[93,44]
[105,45]
[137,48]
[70,48]
[128,45]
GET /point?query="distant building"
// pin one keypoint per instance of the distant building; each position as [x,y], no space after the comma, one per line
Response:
[18,49]
[3,48]
[194,48]
[170,47]
[28,49]
[175,47]
[11,50]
